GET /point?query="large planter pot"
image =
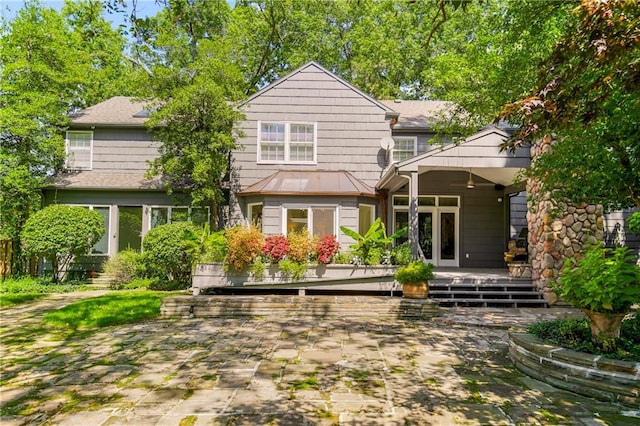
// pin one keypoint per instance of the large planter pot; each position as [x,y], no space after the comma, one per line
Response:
[415,290]
[604,325]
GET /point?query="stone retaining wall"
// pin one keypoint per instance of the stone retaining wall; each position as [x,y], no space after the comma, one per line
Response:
[581,373]
[298,307]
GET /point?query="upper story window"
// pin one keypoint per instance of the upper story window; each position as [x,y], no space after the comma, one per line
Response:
[286,142]
[405,147]
[79,147]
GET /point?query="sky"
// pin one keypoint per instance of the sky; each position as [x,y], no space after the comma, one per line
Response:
[9,8]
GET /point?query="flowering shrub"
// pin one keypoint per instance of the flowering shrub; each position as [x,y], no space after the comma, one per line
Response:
[275,248]
[300,246]
[243,245]
[327,247]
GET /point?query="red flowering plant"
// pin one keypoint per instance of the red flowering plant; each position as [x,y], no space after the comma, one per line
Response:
[327,246]
[275,248]
[244,245]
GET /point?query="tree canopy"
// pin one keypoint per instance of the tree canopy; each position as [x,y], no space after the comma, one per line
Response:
[586,105]
[51,64]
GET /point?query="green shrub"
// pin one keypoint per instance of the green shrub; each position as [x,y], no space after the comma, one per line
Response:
[575,334]
[124,267]
[168,285]
[293,269]
[401,254]
[414,273]
[58,233]
[343,258]
[137,284]
[213,246]
[38,285]
[634,223]
[169,251]
[370,248]
[604,280]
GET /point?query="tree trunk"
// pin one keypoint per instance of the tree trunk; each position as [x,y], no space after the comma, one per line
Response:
[604,326]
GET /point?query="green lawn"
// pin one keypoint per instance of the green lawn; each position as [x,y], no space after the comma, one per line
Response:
[11,299]
[110,309]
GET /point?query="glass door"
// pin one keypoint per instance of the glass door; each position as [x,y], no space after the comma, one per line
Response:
[438,235]
[448,238]
[425,234]
[129,228]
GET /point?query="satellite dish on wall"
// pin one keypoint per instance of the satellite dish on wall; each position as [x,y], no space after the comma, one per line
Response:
[387,143]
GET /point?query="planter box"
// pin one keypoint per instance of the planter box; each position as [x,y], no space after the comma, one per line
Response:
[338,277]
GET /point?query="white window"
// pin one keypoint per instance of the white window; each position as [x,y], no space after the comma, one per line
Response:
[317,220]
[79,147]
[286,143]
[254,215]
[163,215]
[405,147]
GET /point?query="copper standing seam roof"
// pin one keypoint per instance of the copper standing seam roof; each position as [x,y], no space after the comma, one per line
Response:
[315,182]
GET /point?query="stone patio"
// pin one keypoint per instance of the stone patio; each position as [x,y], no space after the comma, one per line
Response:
[452,370]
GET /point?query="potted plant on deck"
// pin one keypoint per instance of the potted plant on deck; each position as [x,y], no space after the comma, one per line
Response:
[604,284]
[415,279]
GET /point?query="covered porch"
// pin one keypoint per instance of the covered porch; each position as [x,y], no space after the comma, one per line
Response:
[456,200]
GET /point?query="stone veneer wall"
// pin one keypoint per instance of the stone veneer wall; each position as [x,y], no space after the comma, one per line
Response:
[557,230]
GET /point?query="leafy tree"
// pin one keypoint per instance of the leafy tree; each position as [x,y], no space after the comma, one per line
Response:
[586,105]
[59,233]
[169,251]
[50,65]
[193,91]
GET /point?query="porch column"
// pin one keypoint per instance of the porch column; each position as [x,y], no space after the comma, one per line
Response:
[414,236]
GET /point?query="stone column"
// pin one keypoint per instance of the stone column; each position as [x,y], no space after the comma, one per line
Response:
[558,230]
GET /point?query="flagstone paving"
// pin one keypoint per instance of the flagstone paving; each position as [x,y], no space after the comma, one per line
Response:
[452,370]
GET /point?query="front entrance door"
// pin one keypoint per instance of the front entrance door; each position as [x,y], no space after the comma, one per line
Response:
[438,234]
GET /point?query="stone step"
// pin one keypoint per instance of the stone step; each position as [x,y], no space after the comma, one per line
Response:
[299,306]
[511,303]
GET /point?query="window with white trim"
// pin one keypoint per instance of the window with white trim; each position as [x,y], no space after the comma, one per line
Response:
[79,146]
[161,215]
[284,142]
[317,220]
[405,147]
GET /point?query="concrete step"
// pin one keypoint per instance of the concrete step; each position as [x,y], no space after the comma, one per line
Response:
[299,306]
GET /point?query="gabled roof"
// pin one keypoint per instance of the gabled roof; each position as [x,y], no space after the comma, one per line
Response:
[479,152]
[318,182]
[312,64]
[418,114]
[117,111]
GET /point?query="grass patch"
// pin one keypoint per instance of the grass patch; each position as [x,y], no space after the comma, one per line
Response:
[575,334]
[110,309]
[11,299]
[39,285]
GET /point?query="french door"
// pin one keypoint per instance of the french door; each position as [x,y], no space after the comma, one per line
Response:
[438,235]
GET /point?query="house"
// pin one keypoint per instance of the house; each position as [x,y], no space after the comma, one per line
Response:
[108,148]
[317,153]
